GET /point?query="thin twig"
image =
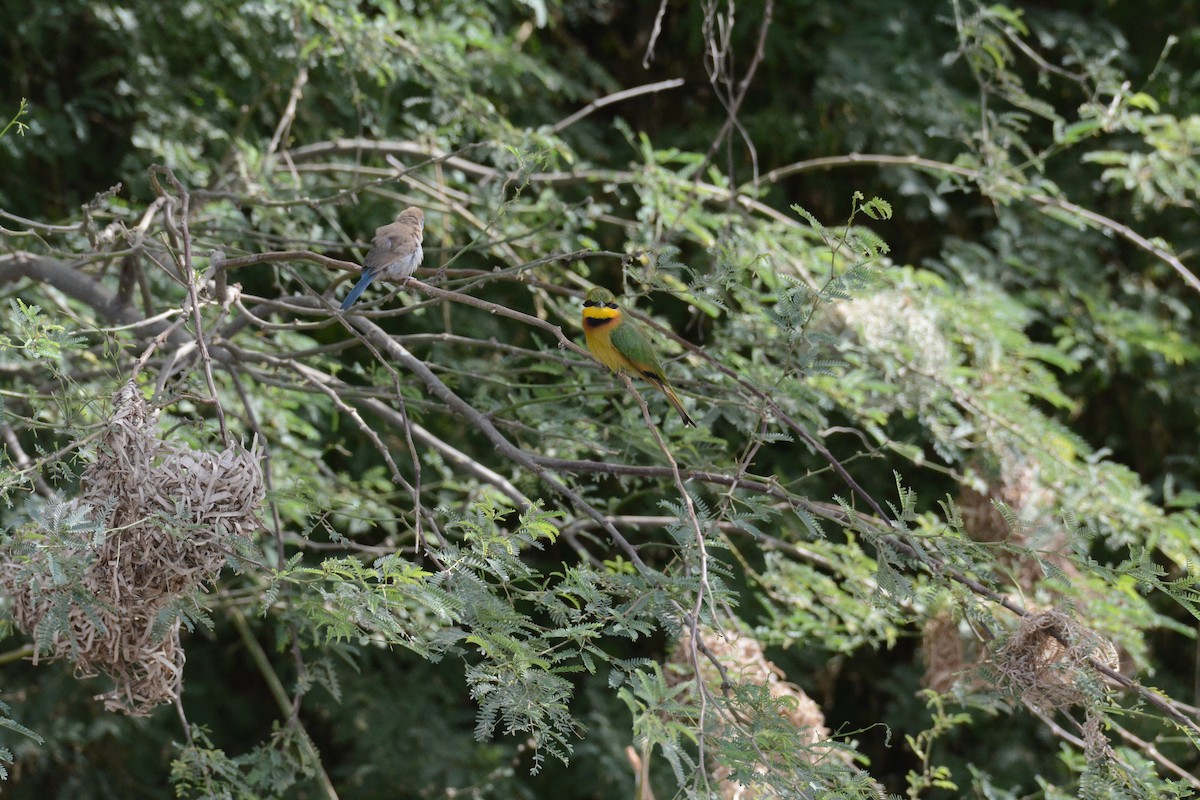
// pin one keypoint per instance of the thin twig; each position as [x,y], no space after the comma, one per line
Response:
[940,167]
[733,108]
[275,686]
[1149,749]
[398,354]
[289,112]
[194,301]
[615,97]
[655,31]
[41,226]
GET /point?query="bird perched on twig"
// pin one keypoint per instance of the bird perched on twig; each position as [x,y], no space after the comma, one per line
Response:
[395,252]
[619,343]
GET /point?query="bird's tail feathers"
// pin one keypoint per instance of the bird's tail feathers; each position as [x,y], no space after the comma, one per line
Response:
[358,289]
[674,400]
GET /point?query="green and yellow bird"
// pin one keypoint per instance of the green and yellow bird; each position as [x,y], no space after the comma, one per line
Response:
[619,343]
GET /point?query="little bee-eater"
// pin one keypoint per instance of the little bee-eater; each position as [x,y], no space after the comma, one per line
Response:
[619,343]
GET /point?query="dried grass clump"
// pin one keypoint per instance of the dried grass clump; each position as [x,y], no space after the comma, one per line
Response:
[944,651]
[1045,660]
[744,662]
[165,517]
[1020,486]
[904,334]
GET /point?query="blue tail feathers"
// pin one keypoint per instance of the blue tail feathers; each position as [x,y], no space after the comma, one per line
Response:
[358,289]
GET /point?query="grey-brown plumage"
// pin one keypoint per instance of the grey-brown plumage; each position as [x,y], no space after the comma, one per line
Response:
[395,252]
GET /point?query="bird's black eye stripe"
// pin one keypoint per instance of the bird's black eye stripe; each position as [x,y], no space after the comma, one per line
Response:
[590,304]
[611,305]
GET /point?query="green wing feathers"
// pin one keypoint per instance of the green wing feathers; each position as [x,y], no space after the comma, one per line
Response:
[633,345]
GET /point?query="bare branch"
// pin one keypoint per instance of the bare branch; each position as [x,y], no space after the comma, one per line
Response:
[655,31]
[615,97]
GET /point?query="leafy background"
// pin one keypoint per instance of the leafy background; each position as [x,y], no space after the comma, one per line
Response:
[921,275]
